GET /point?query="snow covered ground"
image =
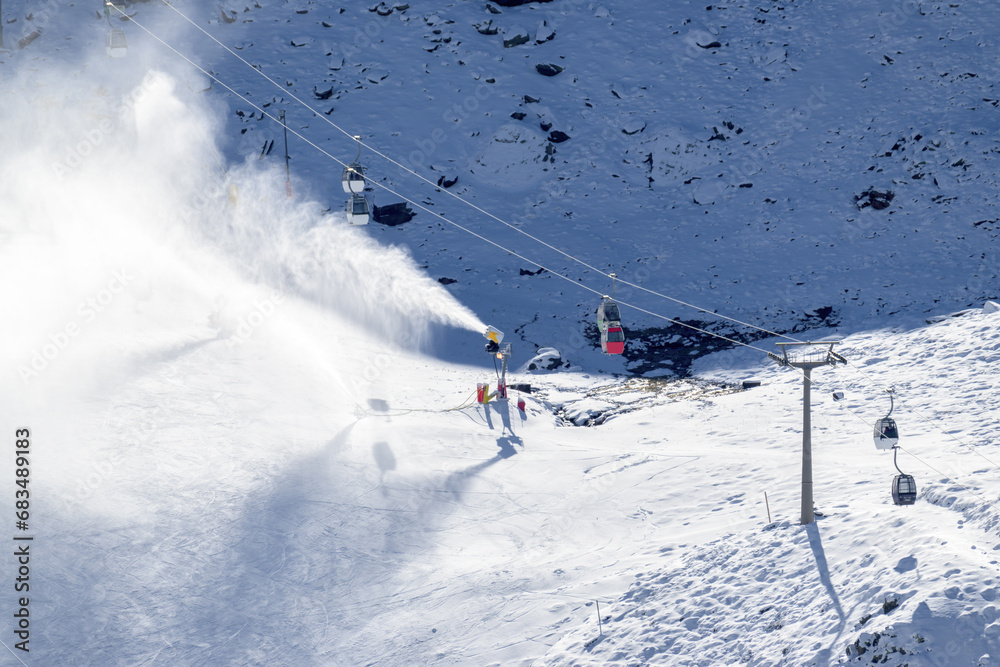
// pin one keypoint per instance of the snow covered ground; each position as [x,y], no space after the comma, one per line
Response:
[253,433]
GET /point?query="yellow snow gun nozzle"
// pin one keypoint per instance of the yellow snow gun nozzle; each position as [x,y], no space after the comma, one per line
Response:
[494,334]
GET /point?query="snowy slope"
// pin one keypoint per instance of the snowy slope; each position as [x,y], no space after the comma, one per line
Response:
[254,440]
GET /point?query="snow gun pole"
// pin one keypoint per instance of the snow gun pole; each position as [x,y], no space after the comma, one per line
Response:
[288,174]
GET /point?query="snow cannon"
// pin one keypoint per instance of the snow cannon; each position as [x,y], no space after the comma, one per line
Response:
[494,336]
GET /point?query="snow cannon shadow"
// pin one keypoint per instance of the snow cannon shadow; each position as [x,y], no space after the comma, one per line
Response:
[508,445]
[321,538]
[502,408]
[456,481]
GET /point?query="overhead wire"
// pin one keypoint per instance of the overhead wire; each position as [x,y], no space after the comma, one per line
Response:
[926,419]
[565,254]
[440,216]
[871,427]
[405,168]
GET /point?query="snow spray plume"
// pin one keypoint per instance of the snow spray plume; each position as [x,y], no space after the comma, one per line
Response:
[108,191]
[295,248]
[90,182]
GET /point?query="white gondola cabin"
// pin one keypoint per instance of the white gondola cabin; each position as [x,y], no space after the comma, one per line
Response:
[358,211]
[353,179]
[886,433]
[116,45]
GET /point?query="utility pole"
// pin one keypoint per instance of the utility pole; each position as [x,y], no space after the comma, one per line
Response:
[809,356]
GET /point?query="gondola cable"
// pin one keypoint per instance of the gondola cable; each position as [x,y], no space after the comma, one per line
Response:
[565,254]
[488,214]
[264,113]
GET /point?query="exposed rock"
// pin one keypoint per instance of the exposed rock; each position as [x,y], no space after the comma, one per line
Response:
[518,115]
[392,215]
[528,99]
[447,182]
[546,359]
[517,3]
[634,126]
[323,94]
[515,37]
[877,199]
[822,313]
[558,136]
[548,69]
[486,28]
[544,33]
[492,9]
[447,281]
[25,41]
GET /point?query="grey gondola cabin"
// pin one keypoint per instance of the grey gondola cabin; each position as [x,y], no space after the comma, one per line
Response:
[608,314]
[904,490]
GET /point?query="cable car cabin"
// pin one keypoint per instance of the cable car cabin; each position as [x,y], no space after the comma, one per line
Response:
[358,212]
[116,45]
[608,315]
[904,490]
[886,433]
[613,339]
[353,179]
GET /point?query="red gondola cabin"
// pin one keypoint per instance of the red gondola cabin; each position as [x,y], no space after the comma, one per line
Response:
[613,339]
